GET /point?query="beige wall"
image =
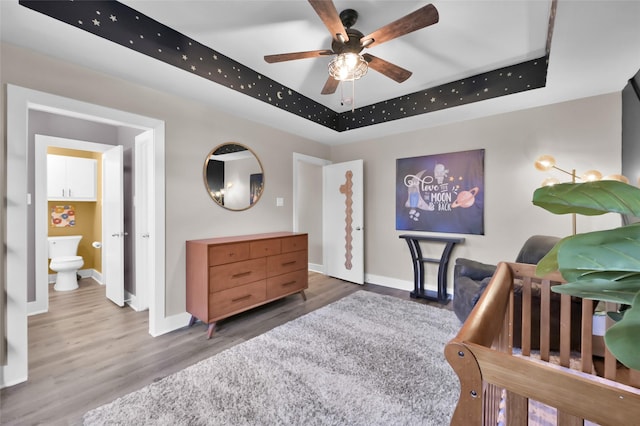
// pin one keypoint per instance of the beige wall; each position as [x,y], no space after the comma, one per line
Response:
[191,131]
[583,134]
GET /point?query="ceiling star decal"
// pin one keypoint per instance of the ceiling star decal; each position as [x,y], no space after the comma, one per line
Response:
[174,48]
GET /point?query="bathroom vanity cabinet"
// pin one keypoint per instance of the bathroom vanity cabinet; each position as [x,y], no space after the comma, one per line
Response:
[229,275]
[71,178]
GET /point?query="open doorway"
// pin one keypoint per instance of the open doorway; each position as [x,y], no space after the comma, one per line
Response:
[307,205]
[97,220]
[20,230]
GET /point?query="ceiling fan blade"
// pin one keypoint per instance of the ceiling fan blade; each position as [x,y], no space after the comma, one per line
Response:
[388,69]
[296,55]
[423,17]
[327,11]
[330,86]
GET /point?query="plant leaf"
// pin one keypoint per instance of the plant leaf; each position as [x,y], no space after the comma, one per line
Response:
[610,275]
[589,198]
[549,263]
[609,291]
[611,250]
[622,338]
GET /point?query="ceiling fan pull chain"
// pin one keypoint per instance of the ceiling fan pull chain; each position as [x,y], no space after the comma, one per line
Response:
[353,95]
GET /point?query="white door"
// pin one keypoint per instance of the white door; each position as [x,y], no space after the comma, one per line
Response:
[113,225]
[343,221]
[142,200]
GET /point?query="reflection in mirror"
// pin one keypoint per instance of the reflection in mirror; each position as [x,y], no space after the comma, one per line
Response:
[233,176]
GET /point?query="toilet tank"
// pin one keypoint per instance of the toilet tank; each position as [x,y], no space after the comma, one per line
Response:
[63,246]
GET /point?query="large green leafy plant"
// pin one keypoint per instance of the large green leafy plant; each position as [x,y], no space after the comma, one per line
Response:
[600,265]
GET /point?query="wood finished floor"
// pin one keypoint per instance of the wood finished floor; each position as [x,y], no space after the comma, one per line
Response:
[86,351]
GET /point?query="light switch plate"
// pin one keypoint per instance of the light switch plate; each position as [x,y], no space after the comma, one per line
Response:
[279,201]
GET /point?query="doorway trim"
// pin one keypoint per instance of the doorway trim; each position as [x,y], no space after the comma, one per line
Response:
[19,101]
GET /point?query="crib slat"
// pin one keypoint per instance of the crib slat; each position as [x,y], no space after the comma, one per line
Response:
[586,339]
[610,362]
[545,322]
[634,378]
[517,408]
[526,316]
[565,329]
[565,419]
[492,397]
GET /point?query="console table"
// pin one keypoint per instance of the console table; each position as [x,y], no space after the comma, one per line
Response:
[418,262]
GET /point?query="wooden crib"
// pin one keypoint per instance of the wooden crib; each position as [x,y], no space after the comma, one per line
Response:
[499,384]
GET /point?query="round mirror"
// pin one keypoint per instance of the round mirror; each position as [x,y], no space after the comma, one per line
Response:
[233,176]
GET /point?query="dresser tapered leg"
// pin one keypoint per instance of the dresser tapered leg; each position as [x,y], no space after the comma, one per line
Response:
[192,320]
[304,296]
[211,330]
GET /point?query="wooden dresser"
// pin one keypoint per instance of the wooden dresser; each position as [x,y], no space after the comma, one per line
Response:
[229,275]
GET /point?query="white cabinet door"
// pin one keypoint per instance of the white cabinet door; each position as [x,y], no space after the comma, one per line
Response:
[81,177]
[71,178]
[56,177]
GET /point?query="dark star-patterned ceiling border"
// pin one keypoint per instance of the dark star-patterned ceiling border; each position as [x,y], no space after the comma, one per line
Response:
[127,27]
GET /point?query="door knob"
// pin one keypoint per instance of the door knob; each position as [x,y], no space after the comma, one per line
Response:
[358,228]
[145,235]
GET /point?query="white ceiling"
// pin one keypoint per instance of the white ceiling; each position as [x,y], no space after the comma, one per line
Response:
[595,50]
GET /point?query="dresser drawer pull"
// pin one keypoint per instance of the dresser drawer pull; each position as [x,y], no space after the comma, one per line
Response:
[239,299]
[288,283]
[293,262]
[241,274]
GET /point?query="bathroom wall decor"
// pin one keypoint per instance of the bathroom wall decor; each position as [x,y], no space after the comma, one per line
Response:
[441,193]
[63,216]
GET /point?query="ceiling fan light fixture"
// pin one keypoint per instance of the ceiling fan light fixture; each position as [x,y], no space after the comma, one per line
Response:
[348,66]
[366,42]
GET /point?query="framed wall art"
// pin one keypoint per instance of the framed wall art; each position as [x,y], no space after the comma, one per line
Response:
[441,193]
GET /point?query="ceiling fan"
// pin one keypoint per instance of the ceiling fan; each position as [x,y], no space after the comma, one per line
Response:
[348,42]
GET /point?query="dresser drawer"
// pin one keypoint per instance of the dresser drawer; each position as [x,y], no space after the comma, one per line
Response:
[264,248]
[235,274]
[297,243]
[287,262]
[287,283]
[236,299]
[228,253]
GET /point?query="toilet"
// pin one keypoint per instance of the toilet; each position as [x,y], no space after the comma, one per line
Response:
[65,261]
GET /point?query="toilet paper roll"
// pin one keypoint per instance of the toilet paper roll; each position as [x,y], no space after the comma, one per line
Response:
[96,244]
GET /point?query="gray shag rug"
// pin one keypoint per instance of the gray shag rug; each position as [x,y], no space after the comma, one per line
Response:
[366,359]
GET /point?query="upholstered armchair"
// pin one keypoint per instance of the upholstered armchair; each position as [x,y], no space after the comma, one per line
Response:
[471,278]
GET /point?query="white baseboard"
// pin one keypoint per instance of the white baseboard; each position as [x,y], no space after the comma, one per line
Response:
[314,267]
[396,283]
[84,273]
[388,282]
[97,276]
[171,323]
[133,302]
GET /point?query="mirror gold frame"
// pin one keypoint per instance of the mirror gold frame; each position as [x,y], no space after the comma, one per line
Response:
[233,176]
